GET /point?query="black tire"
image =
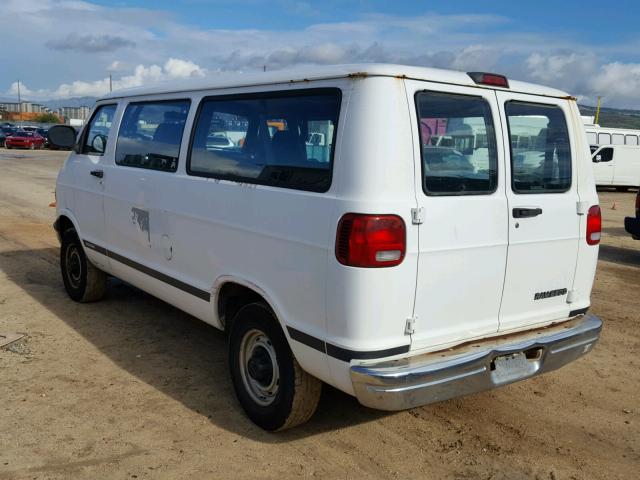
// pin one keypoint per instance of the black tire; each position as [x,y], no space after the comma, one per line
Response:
[82,280]
[270,404]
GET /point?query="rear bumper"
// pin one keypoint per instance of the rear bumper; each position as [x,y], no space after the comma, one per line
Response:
[632,226]
[433,377]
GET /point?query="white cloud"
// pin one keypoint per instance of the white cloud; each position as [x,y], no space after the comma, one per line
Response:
[140,46]
[619,83]
[583,75]
[174,68]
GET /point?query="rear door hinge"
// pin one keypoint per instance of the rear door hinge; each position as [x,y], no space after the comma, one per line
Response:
[582,207]
[417,216]
[410,326]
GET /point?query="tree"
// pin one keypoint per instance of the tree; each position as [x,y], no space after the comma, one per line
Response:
[47,118]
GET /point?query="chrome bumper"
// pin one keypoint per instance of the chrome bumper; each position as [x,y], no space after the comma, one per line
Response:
[473,367]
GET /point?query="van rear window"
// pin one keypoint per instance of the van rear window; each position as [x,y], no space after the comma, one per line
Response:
[458,144]
[540,149]
[283,139]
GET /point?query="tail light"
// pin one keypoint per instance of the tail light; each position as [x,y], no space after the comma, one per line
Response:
[594,225]
[370,240]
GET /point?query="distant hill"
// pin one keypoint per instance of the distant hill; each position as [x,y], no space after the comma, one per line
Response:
[70,102]
[53,104]
[614,117]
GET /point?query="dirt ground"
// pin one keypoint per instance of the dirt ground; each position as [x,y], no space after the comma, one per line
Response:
[132,388]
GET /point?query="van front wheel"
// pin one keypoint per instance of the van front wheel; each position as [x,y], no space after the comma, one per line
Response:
[273,390]
[82,280]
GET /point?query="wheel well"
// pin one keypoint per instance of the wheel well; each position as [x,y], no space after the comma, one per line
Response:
[233,297]
[63,224]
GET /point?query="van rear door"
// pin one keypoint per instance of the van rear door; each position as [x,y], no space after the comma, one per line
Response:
[542,194]
[460,190]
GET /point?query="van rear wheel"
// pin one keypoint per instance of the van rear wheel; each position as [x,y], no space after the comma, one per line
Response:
[272,388]
[82,280]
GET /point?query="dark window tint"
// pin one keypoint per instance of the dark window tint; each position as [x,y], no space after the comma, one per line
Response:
[280,139]
[95,140]
[151,133]
[540,151]
[458,144]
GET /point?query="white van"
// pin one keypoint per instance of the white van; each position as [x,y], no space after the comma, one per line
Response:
[616,166]
[396,270]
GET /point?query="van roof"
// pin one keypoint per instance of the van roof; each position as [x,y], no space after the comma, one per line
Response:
[309,73]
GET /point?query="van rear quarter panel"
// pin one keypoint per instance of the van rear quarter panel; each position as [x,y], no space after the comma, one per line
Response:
[367,308]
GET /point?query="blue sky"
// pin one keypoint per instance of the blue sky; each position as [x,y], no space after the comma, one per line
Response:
[587,48]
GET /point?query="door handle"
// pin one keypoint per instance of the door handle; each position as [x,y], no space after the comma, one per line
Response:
[97,173]
[521,212]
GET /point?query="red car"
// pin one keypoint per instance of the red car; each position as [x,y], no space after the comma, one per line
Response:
[30,140]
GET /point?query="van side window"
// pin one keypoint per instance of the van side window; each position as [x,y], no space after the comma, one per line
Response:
[458,144]
[592,138]
[150,134]
[617,139]
[283,139]
[544,166]
[95,138]
[631,140]
[604,139]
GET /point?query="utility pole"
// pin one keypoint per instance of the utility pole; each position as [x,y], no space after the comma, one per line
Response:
[597,117]
[110,84]
[19,103]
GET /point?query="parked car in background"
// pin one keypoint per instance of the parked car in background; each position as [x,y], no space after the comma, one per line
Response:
[2,138]
[22,139]
[8,130]
[43,131]
[632,224]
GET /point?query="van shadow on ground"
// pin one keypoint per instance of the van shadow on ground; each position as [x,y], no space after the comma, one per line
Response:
[620,255]
[182,356]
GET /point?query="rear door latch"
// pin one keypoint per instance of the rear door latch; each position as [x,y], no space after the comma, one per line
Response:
[410,326]
[417,216]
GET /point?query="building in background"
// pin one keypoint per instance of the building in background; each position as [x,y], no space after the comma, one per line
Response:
[72,115]
[28,111]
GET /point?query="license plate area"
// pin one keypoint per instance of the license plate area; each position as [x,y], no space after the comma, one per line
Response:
[515,366]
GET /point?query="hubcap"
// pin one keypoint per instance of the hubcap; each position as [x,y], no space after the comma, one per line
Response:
[259,367]
[74,266]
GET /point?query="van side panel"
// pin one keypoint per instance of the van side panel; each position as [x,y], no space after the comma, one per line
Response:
[272,239]
[626,168]
[367,308]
